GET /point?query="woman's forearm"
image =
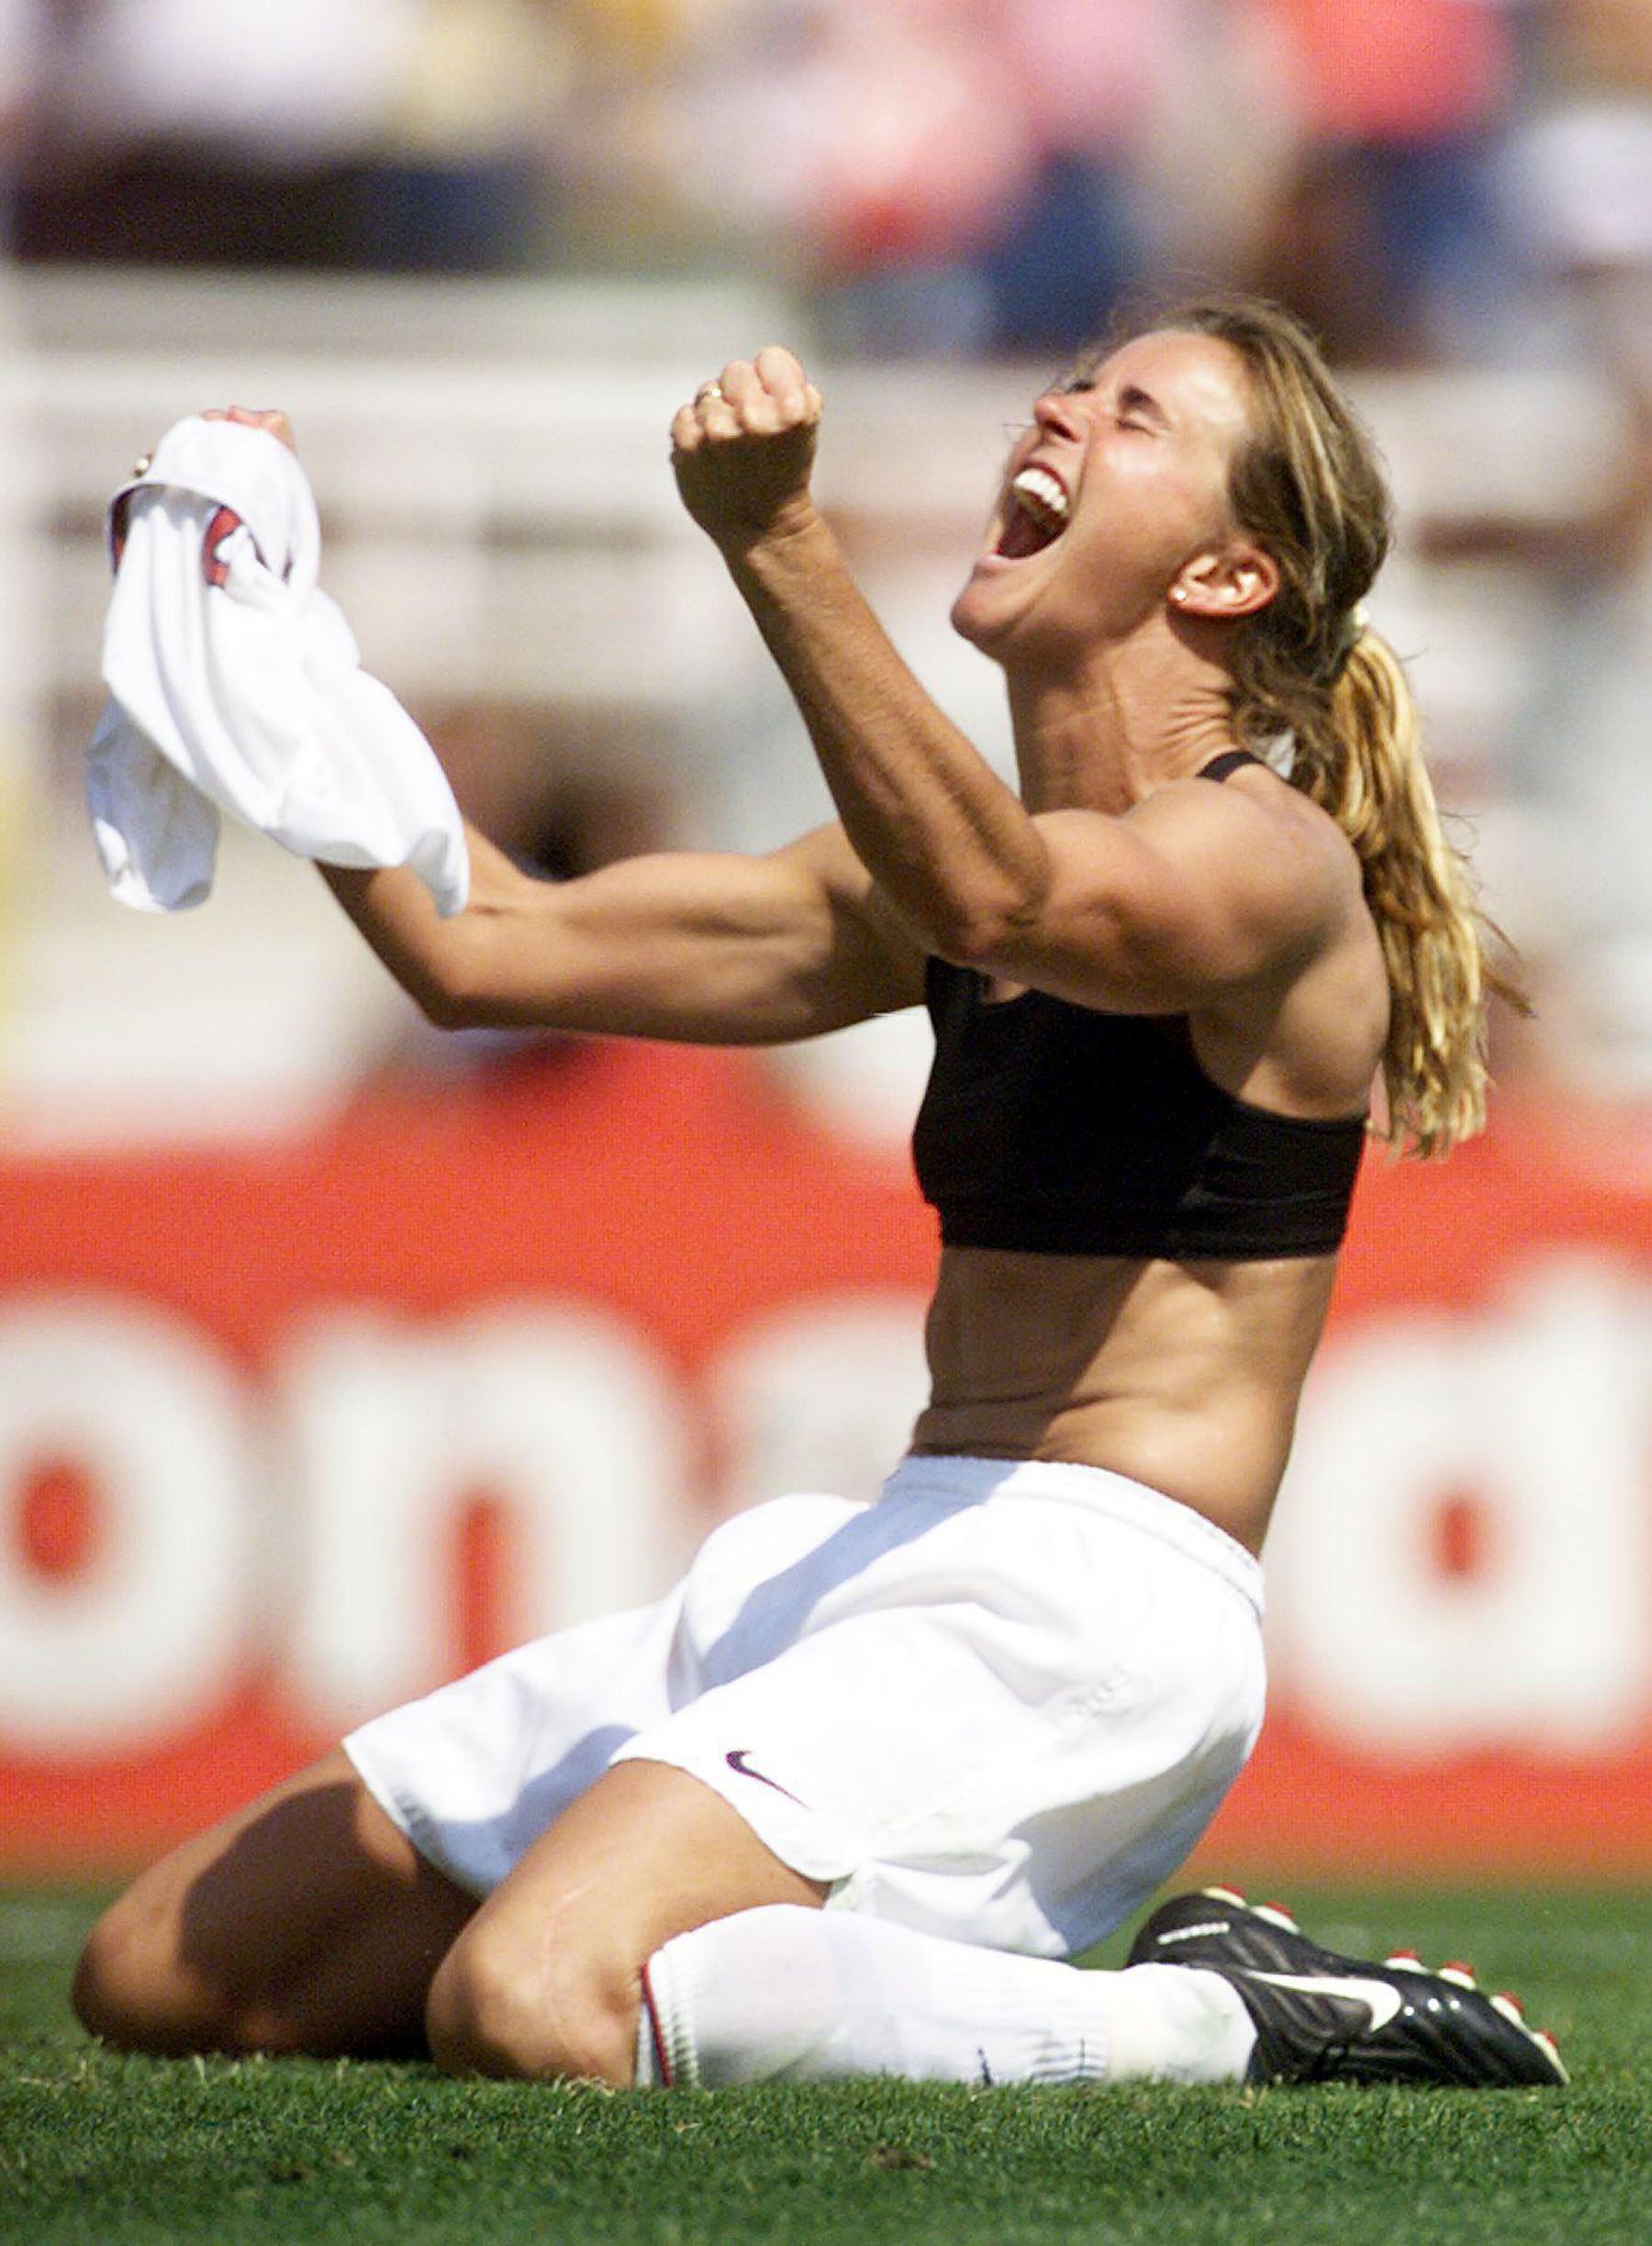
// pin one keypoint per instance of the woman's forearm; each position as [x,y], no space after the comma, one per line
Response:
[951,846]
[434,960]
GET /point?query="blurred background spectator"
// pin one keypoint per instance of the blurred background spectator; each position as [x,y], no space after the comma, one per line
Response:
[1383,229]
[384,135]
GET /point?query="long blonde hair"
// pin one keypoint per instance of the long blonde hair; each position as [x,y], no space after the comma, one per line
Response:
[1308,486]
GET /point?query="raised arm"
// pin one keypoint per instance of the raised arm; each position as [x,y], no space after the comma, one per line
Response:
[700,947]
[950,845]
[1195,894]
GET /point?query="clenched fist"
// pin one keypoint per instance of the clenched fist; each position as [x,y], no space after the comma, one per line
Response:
[742,448]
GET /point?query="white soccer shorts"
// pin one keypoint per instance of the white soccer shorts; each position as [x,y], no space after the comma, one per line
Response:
[1000,1703]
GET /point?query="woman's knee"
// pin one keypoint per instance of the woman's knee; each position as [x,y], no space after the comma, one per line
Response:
[302,1923]
[130,1989]
[517,2011]
[546,1981]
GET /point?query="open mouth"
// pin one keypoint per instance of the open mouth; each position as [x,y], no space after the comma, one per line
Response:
[1037,515]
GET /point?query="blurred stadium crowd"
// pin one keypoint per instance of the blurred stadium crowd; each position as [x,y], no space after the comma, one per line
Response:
[941,173]
[1446,188]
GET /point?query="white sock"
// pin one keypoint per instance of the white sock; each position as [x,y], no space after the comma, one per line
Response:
[813,1996]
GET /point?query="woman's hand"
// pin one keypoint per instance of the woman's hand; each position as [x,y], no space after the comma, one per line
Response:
[274,420]
[743,449]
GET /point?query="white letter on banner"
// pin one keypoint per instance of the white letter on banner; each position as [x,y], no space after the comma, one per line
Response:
[1541,1410]
[144,1639]
[566,1413]
[820,1396]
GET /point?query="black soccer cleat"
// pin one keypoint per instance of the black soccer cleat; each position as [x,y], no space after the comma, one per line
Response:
[1320,2017]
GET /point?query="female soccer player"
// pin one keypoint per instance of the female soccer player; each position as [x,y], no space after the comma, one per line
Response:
[847,1800]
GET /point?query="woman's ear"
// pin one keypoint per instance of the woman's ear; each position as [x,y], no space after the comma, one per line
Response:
[1225,583]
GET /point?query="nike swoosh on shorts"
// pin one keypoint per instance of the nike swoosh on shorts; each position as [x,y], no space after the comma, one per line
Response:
[736,1760]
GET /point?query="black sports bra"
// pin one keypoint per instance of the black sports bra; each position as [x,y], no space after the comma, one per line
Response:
[1064,1131]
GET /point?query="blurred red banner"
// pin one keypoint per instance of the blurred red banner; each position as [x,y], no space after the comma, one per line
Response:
[289,1435]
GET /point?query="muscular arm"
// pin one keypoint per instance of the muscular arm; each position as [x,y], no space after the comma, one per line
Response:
[699,947]
[1193,895]
[955,848]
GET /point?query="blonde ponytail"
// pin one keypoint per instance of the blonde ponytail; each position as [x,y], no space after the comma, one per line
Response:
[1306,483]
[1362,762]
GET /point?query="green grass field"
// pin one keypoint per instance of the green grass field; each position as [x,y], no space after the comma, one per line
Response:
[97,2150]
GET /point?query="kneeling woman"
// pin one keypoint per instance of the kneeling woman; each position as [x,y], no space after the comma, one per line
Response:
[849,1799]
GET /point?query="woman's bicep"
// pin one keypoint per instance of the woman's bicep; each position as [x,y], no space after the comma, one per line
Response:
[1168,911]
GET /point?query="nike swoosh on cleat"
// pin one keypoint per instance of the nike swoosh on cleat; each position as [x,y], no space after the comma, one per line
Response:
[1381,2001]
